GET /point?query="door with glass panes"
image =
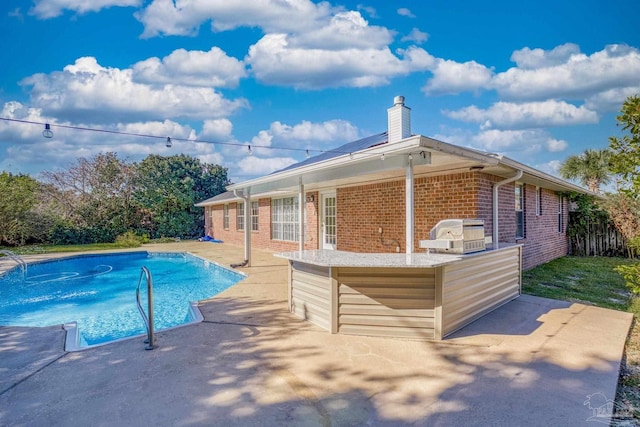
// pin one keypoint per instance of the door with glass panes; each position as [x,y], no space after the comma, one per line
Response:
[329,226]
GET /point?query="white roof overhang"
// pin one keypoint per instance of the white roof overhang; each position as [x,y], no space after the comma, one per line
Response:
[429,157]
[369,165]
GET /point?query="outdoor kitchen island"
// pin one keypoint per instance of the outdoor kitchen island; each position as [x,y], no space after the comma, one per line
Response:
[419,295]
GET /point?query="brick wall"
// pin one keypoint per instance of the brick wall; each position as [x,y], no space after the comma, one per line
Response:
[363,210]
[543,242]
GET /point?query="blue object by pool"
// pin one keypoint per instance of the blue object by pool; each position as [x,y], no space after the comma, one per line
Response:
[98,292]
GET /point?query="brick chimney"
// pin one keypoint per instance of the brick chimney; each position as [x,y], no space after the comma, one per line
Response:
[399,120]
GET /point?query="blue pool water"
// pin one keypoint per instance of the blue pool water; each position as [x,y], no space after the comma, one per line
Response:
[98,292]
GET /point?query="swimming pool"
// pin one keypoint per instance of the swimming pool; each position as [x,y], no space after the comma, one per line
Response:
[94,295]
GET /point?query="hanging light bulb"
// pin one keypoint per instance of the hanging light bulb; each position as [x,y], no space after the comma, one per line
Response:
[382,157]
[410,156]
[249,152]
[308,155]
[351,156]
[47,131]
[169,143]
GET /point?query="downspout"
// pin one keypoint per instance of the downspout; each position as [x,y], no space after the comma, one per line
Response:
[409,202]
[496,187]
[246,196]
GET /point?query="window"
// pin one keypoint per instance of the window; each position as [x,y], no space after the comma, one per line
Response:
[240,216]
[255,211]
[560,215]
[284,219]
[519,211]
[225,218]
[538,201]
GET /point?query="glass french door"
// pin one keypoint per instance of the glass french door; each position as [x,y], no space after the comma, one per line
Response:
[329,225]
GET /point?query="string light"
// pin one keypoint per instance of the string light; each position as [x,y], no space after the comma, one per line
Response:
[410,156]
[308,155]
[47,133]
[382,157]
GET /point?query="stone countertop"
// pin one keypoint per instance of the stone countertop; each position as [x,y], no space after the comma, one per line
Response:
[331,258]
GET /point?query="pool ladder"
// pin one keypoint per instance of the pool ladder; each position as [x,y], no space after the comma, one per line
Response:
[148,320]
[15,257]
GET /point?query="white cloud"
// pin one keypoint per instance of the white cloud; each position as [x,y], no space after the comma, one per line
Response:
[281,145]
[168,127]
[305,45]
[579,76]
[370,11]
[257,166]
[305,132]
[27,151]
[450,77]
[45,9]
[274,61]
[517,143]
[612,99]
[184,18]
[344,30]
[530,59]
[552,167]
[68,144]
[416,36]
[403,11]
[219,129]
[507,115]
[602,80]
[11,131]
[191,68]
[87,91]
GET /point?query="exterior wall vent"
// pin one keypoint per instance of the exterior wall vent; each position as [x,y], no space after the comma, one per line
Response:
[399,120]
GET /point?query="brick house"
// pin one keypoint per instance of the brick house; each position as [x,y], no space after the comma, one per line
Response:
[385,192]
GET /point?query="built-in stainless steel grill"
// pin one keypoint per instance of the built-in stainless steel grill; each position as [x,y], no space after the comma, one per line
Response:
[456,236]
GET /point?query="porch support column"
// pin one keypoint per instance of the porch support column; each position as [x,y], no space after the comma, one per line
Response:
[245,195]
[247,226]
[409,212]
[301,208]
[495,238]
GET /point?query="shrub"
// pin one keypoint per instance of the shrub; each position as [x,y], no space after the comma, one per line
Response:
[631,273]
[66,233]
[130,240]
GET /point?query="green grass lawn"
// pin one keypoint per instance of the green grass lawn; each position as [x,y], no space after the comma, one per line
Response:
[50,249]
[593,280]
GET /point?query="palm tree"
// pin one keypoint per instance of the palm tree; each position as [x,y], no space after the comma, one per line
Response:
[591,168]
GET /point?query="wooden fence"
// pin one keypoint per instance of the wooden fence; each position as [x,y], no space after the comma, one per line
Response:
[600,239]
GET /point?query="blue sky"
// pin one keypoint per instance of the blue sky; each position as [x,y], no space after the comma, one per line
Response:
[535,81]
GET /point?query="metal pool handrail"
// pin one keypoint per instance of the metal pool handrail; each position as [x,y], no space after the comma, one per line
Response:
[15,257]
[148,320]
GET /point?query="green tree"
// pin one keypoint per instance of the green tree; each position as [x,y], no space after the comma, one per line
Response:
[18,198]
[625,158]
[591,168]
[168,187]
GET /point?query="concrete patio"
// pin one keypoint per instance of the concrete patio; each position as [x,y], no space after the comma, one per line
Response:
[534,361]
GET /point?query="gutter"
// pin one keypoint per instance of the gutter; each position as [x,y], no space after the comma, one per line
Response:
[496,187]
